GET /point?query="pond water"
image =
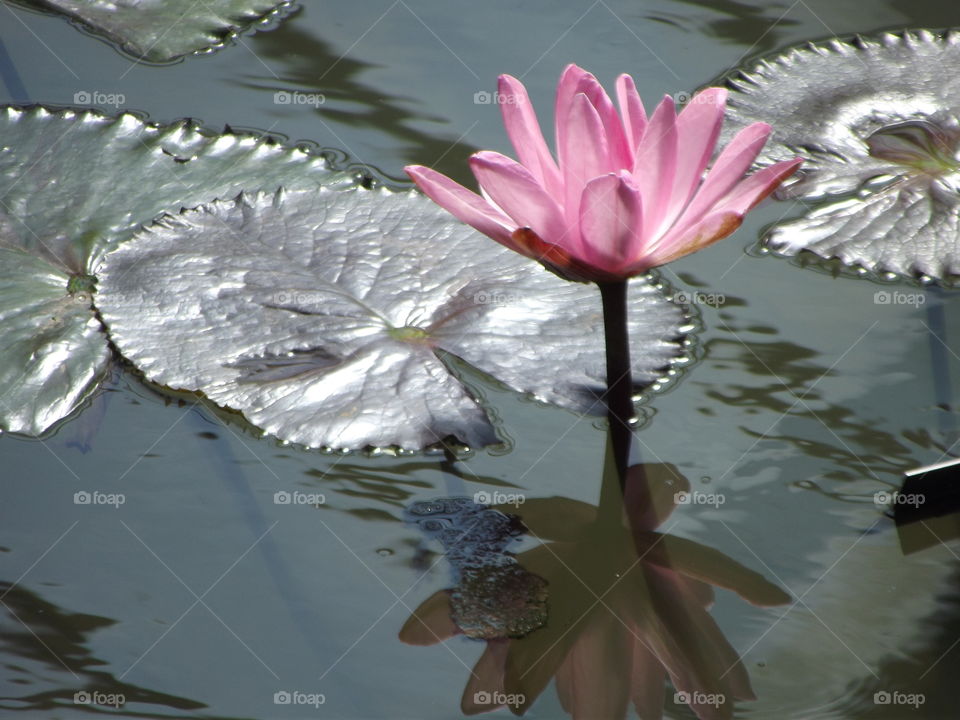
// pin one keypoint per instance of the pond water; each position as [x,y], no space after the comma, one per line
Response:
[200,596]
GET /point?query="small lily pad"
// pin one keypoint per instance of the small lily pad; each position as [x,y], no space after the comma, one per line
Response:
[162,30]
[325,317]
[73,186]
[877,121]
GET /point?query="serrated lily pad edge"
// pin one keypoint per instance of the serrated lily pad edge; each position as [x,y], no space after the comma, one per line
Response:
[739,77]
[256,22]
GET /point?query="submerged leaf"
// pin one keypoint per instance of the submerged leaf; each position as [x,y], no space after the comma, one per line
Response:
[324,317]
[161,30]
[877,120]
[73,186]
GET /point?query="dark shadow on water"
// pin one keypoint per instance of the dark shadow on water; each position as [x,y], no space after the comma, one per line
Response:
[309,64]
[48,642]
[758,28]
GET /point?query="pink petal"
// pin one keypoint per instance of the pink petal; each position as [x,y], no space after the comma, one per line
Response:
[518,193]
[620,156]
[727,171]
[656,165]
[675,244]
[463,204]
[522,127]
[698,127]
[611,215]
[749,192]
[583,154]
[631,109]
[566,90]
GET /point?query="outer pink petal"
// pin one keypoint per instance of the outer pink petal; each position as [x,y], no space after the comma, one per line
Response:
[620,156]
[632,111]
[611,217]
[463,204]
[698,127]
[583,155]
[656,166]
[713,227]
[749,192]
[518,193]
[727,171]
[522,127]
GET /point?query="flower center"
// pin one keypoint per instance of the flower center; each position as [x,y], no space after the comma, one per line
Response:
[80,283]
[409,333]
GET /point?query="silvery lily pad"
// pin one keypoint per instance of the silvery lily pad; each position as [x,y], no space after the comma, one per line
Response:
[877,120]
[161,30]
[72,186]
[325,316]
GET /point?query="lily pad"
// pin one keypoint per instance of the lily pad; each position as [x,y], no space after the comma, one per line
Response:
[877,121]
[325,318]
[162,30]
[73,186]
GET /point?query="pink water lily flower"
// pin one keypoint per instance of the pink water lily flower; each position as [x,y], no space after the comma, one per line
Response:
[624,194]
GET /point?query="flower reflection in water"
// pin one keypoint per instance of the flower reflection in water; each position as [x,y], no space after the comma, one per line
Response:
[627,610]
